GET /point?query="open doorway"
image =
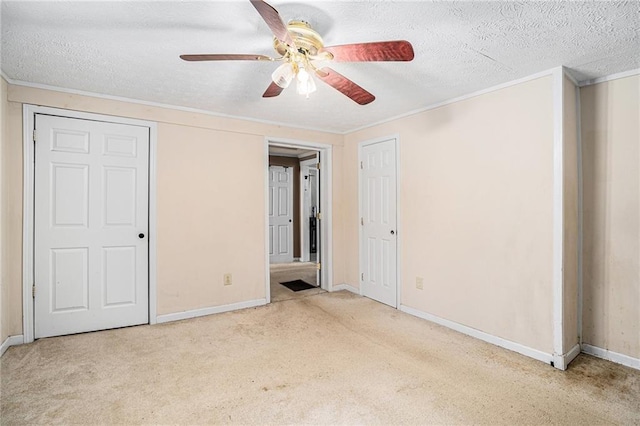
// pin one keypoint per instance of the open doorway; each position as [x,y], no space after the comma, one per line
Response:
[295,231]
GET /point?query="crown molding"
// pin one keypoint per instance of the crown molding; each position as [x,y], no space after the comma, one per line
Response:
[458,99]
[160,105]
[610,77]
[545,73]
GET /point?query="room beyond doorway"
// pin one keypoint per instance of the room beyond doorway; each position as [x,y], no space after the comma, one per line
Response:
[288,272]
[298,219]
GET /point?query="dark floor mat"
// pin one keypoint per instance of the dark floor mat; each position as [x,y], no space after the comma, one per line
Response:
[297,285]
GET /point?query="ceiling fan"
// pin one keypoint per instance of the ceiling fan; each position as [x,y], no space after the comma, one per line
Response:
[300,47]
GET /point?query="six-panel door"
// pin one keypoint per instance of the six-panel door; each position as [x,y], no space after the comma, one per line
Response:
[378,261]
[91,225]
[280,214]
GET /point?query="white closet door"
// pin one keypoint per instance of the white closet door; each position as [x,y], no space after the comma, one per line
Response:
[378,261]
[91,225]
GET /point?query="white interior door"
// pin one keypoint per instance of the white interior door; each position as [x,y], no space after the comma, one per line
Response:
[378,244]
[280,214]
[90,225]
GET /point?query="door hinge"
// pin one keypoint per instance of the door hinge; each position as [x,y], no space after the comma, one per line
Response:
[362,276]
[33,291]
[319,216]
[34,135]
[361,165]
[319,266]
[362,221]
[318,166]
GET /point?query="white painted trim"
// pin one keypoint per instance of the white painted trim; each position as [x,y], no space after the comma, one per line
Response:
[611,356]
[489,338]
[579,189]
[267,260]
[346,132]
[5,77]
[205,112]
[567,74]
[454,100]
[562,362]
[161,105]
[346,287]
[28,114]
[153,212]
[28,191]
[177,316]
[558,211]
[398,227]
[11,341]
[305,253]
[580,215]
[610,77]
[326,223]
[396,138]
[326,207]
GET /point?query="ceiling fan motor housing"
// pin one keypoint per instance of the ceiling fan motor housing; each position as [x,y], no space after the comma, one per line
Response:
[305,38]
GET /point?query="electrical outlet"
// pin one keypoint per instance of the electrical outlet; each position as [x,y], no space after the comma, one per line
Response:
[419,283]
[227,279]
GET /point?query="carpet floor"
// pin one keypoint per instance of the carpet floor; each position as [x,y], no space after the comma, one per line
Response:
[325,359]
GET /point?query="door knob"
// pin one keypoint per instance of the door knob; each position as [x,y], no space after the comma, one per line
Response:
[140,235]
[393,232]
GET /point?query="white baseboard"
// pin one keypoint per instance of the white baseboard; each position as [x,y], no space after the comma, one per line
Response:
[489,338]
[210,311]
[347,287]
[611,356]
[561,362]
[11,341]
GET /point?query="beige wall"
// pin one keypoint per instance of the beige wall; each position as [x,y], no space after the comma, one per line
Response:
[475,211]
[611,222]
[570,209]
[206,227]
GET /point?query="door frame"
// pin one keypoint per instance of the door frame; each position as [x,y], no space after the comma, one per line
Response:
[326,201]
[396,138]
[28,122]
[304,236]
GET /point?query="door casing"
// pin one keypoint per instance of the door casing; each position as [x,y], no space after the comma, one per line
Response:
[396,138]
[326,197]
[304,224]
[28,115]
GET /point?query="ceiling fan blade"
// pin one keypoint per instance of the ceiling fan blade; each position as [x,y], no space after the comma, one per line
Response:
[225,57]
[274,21]
[398,50]
[272,90]
[345,86]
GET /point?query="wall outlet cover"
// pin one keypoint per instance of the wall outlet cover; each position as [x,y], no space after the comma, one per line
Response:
[227,279]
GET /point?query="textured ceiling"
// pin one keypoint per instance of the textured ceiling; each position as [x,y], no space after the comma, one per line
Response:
[130,49]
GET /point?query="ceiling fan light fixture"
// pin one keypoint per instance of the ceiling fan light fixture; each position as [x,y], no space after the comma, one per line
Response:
[283,75]
[305,84]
